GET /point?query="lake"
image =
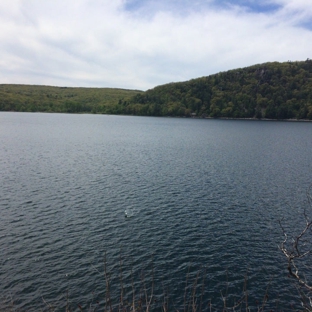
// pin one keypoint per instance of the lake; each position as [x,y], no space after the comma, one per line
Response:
[204,197]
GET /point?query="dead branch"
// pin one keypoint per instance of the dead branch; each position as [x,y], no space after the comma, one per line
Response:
[292,250]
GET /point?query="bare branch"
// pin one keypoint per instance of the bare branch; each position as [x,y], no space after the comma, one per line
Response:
[294,250]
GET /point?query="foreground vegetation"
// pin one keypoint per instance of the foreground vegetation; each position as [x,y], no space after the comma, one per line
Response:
[270,90]
[144,294]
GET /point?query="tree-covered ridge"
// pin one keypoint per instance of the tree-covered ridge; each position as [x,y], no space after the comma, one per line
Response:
[32,98]
[271,90]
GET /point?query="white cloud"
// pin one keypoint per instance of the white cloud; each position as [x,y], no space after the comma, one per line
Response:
[101,43]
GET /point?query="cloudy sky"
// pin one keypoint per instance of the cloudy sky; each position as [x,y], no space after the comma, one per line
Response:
[138,44]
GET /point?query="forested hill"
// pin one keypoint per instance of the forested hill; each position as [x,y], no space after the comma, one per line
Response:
[33,98]
[271,90]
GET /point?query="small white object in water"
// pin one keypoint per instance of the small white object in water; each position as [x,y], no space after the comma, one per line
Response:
[129,213]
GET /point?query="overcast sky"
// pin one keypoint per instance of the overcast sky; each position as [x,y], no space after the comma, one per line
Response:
[139,44]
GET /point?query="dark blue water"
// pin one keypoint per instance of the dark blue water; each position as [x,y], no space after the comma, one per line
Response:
[204,196]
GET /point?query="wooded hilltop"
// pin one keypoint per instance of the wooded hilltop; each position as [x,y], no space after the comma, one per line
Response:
[270,90]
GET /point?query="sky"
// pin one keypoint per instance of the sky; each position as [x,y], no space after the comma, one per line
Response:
[139,44]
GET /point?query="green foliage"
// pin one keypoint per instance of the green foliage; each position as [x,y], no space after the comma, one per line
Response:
[28,98]
[270,90]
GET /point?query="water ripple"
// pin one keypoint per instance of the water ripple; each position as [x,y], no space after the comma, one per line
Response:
[198,202]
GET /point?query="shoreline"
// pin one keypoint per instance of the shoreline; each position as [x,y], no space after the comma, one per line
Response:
[190,117]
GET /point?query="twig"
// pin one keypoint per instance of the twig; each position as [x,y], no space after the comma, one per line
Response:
[121,282]
[107,297]
[294,252]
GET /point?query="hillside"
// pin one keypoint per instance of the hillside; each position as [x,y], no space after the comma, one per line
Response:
[32,98]
[270,90]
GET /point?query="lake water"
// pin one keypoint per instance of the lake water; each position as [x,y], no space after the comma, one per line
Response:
[204,196]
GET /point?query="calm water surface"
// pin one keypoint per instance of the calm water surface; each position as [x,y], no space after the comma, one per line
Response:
[203,195]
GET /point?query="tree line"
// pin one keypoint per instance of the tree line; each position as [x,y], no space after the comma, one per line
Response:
[270,90]
[32,98]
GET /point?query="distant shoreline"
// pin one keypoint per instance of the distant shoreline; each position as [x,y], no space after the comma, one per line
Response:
[184,117]
[259,119]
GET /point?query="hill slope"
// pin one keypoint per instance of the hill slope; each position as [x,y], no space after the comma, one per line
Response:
[270,90]
[31,98]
